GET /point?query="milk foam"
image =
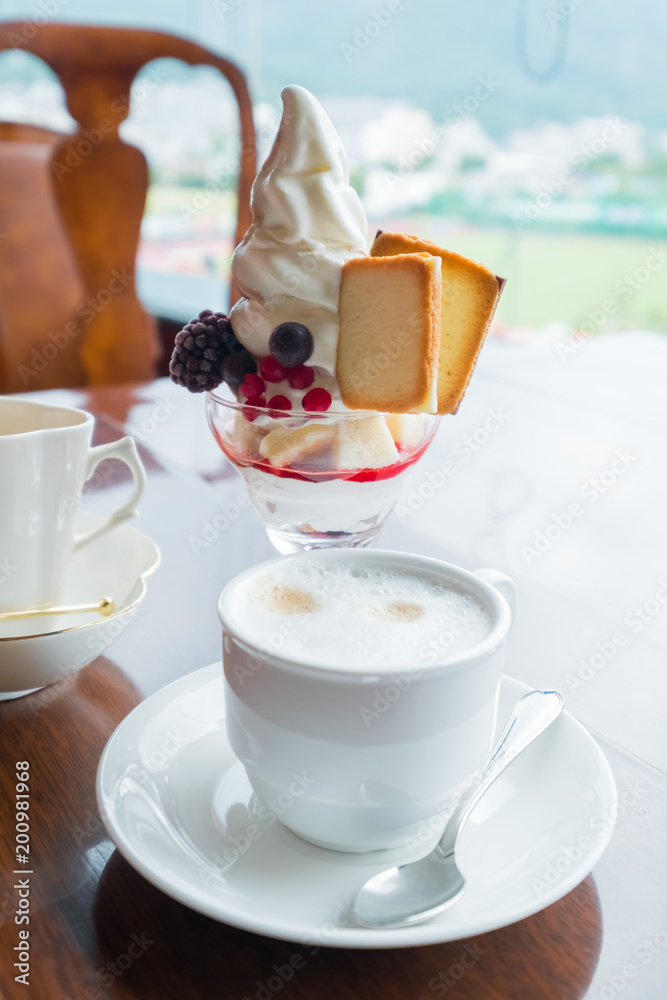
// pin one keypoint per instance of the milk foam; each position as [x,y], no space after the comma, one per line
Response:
[307,222]
[359,616]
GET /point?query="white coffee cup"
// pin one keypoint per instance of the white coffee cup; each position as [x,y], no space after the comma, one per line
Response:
[302,730]
[45,459]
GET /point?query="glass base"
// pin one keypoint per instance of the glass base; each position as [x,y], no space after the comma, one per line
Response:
[287,540]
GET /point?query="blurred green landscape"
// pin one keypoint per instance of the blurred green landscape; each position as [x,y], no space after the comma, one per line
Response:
[564,277]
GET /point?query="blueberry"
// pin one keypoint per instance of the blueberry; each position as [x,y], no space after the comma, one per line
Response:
[291,344]
[235,367]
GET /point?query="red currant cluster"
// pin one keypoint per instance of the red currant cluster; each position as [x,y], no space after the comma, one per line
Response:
[290,346]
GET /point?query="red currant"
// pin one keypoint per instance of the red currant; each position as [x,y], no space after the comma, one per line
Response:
[300,377]
[279,403]
[249,411]
[317,400]
[272,370]
[252,387]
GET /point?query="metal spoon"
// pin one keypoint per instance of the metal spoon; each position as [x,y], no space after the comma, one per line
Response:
[411,893]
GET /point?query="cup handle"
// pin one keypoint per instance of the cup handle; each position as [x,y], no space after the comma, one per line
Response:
[126,451]
[501,582]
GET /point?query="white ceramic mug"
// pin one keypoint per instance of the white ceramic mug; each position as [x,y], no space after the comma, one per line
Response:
[45,460]
[365,781]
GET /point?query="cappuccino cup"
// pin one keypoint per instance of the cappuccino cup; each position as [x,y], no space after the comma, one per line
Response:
[45,459]
[370,678]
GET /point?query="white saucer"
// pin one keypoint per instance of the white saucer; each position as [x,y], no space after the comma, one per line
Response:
[41,650]
[178,806]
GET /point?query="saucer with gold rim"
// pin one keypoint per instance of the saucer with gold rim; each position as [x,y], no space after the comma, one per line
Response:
[44,649]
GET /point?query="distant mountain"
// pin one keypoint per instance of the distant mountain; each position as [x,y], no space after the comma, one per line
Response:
[432,52]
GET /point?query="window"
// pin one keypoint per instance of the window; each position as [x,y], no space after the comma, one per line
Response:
[528,134]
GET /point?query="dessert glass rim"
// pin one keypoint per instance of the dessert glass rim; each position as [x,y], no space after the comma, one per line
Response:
[233,403]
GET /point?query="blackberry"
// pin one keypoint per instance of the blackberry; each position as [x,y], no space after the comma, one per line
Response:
[236,366]
[200,349]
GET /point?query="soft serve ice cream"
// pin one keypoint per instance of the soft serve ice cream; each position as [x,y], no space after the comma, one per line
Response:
[331,355]
[307,222]
[324,326]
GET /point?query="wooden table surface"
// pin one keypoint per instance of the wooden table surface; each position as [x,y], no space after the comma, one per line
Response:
[99,930]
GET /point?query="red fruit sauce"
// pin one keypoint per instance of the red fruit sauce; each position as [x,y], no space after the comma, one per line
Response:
[322,475]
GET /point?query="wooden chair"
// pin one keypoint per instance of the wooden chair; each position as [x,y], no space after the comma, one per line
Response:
[71,209]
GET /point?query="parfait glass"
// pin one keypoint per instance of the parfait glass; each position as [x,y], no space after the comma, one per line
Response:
[319,480]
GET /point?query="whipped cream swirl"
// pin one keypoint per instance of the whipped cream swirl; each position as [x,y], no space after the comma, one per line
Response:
[307,221]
